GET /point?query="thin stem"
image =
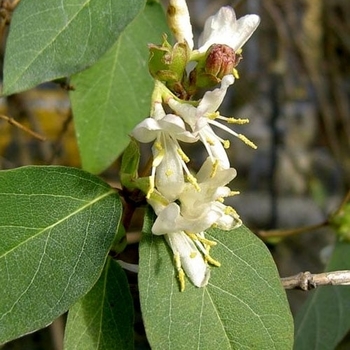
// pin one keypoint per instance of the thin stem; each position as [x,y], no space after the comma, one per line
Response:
[22,127]
[307,280]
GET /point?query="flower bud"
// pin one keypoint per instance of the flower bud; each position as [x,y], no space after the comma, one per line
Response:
[168,63]
[221,60]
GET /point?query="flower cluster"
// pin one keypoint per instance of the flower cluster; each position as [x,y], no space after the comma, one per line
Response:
[188,204]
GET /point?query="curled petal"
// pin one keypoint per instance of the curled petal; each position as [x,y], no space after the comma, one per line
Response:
[146,131]
[175,126]
[179,21]
[213,99]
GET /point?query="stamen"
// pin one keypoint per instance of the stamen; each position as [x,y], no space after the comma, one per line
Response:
[210,142]
[211,261]
[235,73]
[181,273]
[201,239]
[247,141]
[212,115]
[183,155]
[231,120]
[230,131]
[151,183]
[234,193]
[169,172]
[226,144]
[215,168]
[193,181]
[158,146]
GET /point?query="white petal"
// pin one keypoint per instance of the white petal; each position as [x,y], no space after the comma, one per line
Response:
[223,28]
[169,173]
[146,131]
[185,110]
[213,99]
[175,126]
[191,259]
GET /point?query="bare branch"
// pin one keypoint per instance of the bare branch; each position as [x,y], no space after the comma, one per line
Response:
[22,127]
[307,280]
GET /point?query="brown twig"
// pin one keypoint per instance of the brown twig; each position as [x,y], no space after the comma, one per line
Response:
[307,280]
[22,127]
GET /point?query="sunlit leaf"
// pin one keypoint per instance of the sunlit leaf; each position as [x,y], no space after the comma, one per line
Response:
[56,227]
[325,317]
[103,318]
[111,97]
[57,38]
[243,306]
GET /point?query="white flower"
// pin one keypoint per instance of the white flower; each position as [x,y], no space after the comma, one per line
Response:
[224,28]
[169,161]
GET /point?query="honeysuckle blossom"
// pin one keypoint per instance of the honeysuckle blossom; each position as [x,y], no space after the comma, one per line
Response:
[187,205]
[169,161]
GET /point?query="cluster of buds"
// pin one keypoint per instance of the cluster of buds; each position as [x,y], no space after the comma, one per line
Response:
[188,204]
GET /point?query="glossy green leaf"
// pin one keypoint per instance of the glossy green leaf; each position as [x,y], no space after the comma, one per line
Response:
[111,97]
[57,38]
[324,319]
[56,227]
[103,318]
[243,307]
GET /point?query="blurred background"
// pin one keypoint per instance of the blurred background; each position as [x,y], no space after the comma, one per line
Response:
[294,87]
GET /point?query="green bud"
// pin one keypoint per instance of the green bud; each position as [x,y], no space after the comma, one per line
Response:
[168,63]
[340,221]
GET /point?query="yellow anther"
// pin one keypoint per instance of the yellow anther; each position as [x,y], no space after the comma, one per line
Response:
[226,144]
[230,211]
[193,255]
[211,142]
[238,121]
[211,261]
[183,155]
[234,193]
[235,73]
[193,181]
[169,172]
[158,146]
[180,271]
[203,240]
[212,115]
[220,199]
[215,168]
[247,141]
[151,187]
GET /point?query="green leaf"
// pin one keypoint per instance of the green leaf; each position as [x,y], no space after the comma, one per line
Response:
[56,227]
[57,38]
[103,318]
[324,319]
[111,97]
[243,307]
